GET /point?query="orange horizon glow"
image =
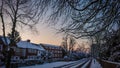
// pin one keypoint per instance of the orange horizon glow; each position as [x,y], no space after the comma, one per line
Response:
[47,39]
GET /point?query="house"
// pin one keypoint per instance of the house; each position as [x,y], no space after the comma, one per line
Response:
[23,51]
[40,52]
[27,51]
[55,52]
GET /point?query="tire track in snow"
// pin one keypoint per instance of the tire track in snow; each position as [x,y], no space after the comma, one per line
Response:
[71,64]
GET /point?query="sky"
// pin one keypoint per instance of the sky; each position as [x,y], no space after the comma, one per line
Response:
[46,34]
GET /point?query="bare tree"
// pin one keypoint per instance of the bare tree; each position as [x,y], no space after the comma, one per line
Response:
[97,17]
[68,44]
[110,50]
[64,43]
[17,12]
[72,43]
[2,19]
[87,16]
[17,37]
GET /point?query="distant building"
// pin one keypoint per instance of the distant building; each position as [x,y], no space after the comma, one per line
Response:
[55,51]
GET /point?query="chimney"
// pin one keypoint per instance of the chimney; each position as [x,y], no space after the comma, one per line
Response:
[28,40]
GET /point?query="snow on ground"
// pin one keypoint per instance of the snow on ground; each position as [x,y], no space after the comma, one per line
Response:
[49,65]
[95,64]
[84,66]
[77,64]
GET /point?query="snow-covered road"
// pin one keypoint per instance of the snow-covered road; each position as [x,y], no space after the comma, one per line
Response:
[83,63]
[54,64]
[88,63]
[51,65]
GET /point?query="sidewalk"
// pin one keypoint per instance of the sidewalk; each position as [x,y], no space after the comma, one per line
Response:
[95,64]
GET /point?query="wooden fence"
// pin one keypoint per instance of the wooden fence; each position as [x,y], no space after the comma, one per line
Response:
[108,64]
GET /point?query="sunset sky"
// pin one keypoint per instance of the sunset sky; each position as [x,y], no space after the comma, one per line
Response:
[46,34]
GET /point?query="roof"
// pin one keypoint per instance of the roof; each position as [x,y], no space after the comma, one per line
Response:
[25,44]
[7,39]
[38,45]
[50,45]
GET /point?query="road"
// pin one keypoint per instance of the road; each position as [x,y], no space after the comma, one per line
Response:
[84,63]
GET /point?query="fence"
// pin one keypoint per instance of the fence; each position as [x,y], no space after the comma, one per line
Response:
[108,64]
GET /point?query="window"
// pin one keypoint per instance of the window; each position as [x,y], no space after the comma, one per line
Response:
[17,50]
[15,58]
[29,57]
[39,52]
[32,50]
[60,52]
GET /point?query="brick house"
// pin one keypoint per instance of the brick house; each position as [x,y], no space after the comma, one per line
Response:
[28,51]
[56,51]
[23,51]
